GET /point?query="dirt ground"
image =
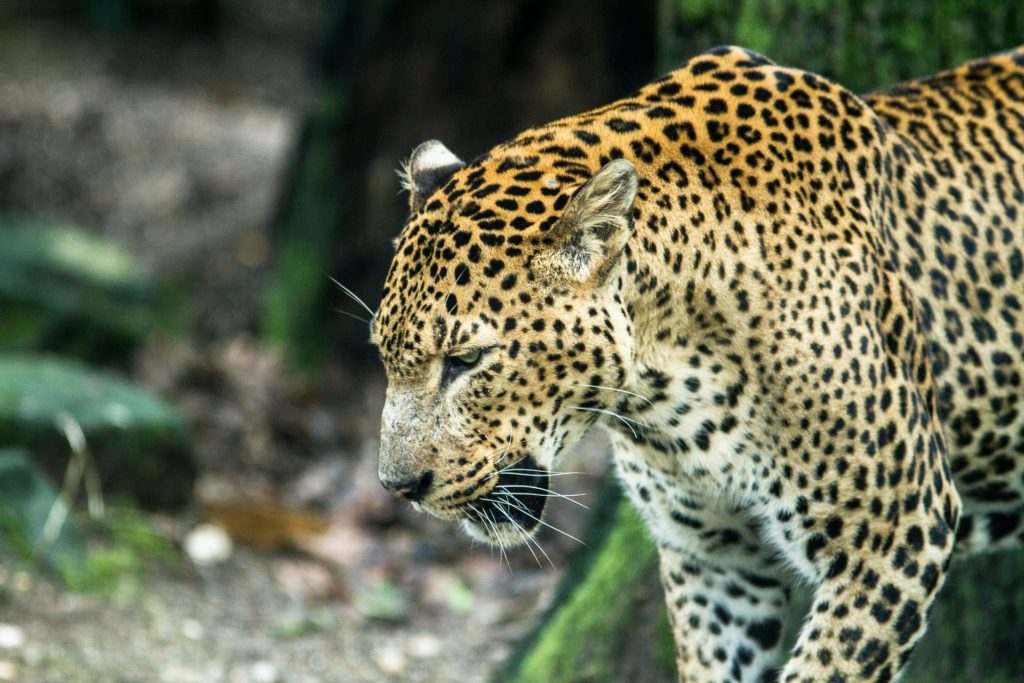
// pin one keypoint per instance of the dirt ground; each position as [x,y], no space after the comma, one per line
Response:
[176,150]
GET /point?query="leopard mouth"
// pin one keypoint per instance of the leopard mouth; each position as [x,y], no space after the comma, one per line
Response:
[517,501]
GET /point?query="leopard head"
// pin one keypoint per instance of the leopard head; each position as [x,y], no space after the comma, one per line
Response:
[501,329]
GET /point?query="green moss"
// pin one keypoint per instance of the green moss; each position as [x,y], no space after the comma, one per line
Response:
[863,44]
[123,546]
[578,643]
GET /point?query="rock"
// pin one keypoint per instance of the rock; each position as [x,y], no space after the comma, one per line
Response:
[139,442]
[208,544]
[305,581]
[390,659]
[263,672]
[12,637]
[425,645]
[193,630]
[63,290]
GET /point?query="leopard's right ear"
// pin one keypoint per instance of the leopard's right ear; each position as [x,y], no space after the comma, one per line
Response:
[429,167]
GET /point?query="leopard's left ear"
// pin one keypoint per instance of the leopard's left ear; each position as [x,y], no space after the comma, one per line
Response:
[592,232]
[430,166]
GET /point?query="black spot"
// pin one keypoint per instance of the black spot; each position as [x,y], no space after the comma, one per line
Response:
[622,125]
[908,622]
[1001,524]
[814,544]
[880,612]
[838,565]
[915,538]
[494,267]
[703,66]
[765,633]
[716,105]
[834,526]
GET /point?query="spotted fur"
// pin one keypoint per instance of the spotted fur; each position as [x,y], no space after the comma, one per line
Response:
[797,312]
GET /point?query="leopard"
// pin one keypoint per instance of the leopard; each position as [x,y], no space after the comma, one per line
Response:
[797,313]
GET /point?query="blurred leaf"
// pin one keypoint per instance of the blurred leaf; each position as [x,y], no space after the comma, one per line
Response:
[382,601]
[460,597]
[26,499]
[863,44]
[305,622]
[264,524]
[138,441]
[65,290]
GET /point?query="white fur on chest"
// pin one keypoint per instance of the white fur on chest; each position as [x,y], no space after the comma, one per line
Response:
[701,477]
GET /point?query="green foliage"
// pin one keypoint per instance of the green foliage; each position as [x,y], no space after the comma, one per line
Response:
[26,500]
[139,442]
[123,542]
[975,629]
[124,545]
[63,290]
[863,44]
[384,601]
[297,295]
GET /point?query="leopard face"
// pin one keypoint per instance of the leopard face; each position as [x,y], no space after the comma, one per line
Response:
[502,332]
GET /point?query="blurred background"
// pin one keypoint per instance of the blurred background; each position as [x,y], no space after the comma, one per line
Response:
[189,407]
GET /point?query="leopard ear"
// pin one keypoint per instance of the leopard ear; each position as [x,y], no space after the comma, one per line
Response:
[430,166]
[595,227]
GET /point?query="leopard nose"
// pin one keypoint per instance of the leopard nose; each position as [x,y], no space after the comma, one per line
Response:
[413,489]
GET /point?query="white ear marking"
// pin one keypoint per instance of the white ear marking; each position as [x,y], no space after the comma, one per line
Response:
[430,165]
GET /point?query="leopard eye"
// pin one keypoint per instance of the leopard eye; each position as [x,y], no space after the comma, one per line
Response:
[470,358]
[459,363]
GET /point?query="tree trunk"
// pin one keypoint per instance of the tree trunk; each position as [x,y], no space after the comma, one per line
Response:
[607,621]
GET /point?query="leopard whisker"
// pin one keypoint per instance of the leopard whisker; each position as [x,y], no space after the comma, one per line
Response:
[620,391]
[451,311]
[522,534]
[545,493]
[354,297]
[492,526]
[624,420]
[519,470]
[522,508]
[352,315]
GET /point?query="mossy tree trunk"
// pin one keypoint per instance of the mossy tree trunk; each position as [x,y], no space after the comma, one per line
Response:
[606,621]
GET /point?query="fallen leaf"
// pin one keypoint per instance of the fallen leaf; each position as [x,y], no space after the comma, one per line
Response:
[264,524]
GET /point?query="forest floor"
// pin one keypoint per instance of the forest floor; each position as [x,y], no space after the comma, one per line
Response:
[176,151]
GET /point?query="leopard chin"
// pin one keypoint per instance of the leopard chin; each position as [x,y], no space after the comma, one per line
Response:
[511,512]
